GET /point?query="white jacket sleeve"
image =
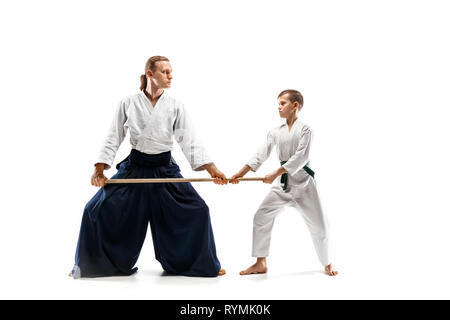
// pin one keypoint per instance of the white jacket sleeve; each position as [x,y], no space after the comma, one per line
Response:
[116,134]
[191,146]
[301,156]
[263,152]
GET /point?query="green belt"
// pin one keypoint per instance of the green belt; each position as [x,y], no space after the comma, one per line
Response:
[284,176]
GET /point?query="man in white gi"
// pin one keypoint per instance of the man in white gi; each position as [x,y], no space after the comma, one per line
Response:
[296,188]
[153,119]
[115,220]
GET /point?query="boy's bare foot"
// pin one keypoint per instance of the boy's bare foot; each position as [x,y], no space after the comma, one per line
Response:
[221,272]
[330,270]
[259,267]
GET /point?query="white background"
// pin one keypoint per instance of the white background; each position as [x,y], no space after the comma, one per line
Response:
[375,76]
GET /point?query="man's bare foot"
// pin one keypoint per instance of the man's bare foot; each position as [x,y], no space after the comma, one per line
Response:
[330,270]
[259,267]
[70,274]
[221,272]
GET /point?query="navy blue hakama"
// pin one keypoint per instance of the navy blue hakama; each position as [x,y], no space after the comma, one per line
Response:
[114,223]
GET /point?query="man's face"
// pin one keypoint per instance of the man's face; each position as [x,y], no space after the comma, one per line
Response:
[162,77]
[285,107]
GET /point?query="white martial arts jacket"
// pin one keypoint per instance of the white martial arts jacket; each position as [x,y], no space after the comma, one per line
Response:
[292,146]
[152,129]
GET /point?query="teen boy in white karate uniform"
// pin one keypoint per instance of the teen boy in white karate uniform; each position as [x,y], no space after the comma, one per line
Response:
[296,187]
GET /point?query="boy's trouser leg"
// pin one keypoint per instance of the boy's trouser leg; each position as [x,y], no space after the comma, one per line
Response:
[307,202]
[264,218]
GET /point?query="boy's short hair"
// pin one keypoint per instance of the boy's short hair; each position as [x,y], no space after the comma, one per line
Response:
[293,95]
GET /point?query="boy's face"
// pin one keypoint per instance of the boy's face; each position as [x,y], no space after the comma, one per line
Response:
[285,107]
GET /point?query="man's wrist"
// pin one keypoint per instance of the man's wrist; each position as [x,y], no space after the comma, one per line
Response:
[209,167]
[99,167]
